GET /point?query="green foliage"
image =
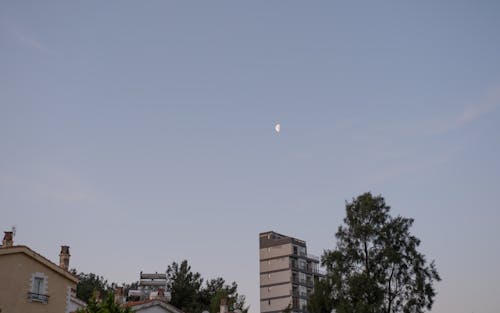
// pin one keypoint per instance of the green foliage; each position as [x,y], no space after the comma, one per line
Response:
[106,306]
[320,300]
[192,296]
[375,266]
[88,284]
[184,286]
[234,301]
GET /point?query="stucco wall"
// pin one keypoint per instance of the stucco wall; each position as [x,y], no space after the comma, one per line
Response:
[275,291]
[16,271]
[276,277]
[275,251]
[274,264]
[276,304]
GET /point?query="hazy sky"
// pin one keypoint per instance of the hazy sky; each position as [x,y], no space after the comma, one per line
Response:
[142,132]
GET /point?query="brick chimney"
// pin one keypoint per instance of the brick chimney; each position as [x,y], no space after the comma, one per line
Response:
[64,257]
[223,306]
[8,239]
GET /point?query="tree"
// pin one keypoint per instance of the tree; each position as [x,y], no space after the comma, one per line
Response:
[106,306]
[184,287]
[320,300]
[375,266]
[192,296]
[234,301]
[88,284]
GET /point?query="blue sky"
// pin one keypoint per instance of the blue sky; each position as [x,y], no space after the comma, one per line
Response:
[142,133]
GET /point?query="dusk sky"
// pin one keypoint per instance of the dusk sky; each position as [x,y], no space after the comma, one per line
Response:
[142,132]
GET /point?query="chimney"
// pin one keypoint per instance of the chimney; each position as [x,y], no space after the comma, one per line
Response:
[64,257]
[223,306]
[8,239]
[161,293]
[119,295]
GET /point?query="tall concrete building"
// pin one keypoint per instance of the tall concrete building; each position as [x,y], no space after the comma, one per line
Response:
[287,273]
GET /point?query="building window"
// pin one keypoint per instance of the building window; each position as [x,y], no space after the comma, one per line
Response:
[269,302]
[37,285]
[268,289]
[38,290]
[269,249]
[269,275]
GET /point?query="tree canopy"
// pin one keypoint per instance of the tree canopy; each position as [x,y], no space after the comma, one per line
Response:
[88,284]
[108,305]
[189,291]
[190,294]
[375,266]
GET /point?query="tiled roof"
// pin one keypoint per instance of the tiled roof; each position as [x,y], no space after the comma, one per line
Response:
[150,303]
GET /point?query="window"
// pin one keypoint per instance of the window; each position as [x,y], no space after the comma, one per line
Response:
[38,289]
[269,275]
[268,289]
[269,302]
[37,285]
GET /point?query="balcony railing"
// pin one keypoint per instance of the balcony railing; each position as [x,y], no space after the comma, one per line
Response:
[304,282]
[37,297]
[298,294]
[308,269]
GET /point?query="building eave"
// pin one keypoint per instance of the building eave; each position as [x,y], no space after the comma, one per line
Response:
[39,258]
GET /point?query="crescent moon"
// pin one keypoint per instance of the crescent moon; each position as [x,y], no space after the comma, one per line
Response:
[277,128]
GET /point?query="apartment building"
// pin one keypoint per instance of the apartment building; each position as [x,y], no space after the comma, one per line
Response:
[287,273]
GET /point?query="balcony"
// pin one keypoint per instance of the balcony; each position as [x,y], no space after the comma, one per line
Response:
[297,294]
[37,297]
[303,282]
[308,269]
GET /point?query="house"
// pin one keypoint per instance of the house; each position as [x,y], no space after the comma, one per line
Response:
[31,283]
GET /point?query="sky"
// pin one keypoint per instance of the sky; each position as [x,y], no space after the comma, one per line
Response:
[142,133]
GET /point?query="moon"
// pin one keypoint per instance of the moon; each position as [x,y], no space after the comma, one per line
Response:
[277,128]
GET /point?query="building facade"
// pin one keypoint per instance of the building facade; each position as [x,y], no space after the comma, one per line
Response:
[30,283]
[287,273]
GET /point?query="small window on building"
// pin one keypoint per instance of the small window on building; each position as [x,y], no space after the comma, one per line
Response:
[38,289]
[269,249]
[268,289]
[269,275]
[37,285]
[269,302]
